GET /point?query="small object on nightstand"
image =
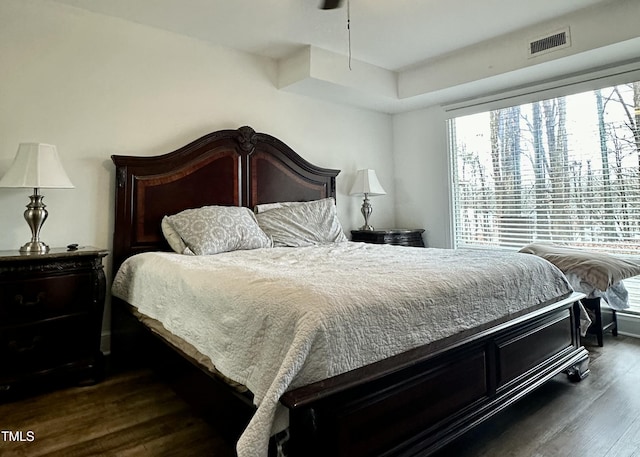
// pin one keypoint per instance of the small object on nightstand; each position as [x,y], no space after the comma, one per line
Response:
[51,308]
[72,247]
[399,237]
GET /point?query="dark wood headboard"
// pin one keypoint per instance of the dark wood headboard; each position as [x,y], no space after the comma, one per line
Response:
[228,167]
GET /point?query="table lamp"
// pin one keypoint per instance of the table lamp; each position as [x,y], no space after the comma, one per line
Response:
[366,184]
[36,166]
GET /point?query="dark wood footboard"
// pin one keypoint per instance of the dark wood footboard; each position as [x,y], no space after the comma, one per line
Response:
[417,402]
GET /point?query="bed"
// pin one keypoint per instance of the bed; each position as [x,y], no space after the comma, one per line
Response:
[403,402]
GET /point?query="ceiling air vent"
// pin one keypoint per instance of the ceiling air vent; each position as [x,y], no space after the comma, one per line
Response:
[552,42]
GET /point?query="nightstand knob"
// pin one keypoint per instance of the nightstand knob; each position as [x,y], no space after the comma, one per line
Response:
[19,299]
[29,345]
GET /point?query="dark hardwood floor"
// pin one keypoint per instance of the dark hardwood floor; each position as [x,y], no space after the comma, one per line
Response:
[130,414]
[138,413]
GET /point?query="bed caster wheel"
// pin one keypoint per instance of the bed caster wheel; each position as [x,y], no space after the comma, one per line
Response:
[579,371]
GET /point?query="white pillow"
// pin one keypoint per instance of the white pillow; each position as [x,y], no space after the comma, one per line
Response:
[215,229]
[302,223]
[269,206]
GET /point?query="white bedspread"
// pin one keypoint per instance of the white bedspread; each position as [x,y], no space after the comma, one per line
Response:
[275,319]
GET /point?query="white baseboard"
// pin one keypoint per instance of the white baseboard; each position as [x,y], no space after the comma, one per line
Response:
[628,324]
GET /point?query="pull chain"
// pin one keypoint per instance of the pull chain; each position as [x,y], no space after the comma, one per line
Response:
[349,29]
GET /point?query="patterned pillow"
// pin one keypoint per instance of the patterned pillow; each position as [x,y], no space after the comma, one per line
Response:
[172,237]
[215,229]
[302,224]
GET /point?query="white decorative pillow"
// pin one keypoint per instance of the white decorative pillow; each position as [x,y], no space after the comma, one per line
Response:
[215,229]
[302,223]
[269,206]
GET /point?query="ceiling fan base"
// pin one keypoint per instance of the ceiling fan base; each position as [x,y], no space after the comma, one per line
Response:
[330,4]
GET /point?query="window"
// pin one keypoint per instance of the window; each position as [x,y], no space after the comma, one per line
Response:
[564,170]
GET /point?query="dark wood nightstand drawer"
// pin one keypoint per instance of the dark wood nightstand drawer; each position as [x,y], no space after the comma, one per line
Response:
[44,345]
[399,237]
[25,300]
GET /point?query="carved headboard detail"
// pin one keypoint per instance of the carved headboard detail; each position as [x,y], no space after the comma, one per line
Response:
[228,167]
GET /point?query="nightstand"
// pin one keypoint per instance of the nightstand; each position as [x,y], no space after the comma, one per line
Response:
[51,308]
[400,237]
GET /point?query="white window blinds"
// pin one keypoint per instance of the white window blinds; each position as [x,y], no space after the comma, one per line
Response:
[563,170]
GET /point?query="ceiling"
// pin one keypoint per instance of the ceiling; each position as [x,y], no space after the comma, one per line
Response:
[392,34]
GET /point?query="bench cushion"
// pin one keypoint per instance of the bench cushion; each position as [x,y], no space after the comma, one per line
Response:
[598,269]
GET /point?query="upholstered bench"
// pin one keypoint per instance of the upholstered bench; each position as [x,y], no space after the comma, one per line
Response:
[597,275]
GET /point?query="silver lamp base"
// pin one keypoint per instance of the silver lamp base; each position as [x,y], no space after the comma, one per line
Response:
[366,211]
[35,215]
[34,247]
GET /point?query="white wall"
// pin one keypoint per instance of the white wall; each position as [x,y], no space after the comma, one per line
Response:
[422,174]
[96,86]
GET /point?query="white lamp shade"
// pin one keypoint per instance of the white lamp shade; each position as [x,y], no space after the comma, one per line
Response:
[36,165]
[367,183]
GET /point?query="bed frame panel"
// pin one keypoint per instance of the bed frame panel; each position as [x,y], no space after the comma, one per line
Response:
[417,402]
[408,405]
